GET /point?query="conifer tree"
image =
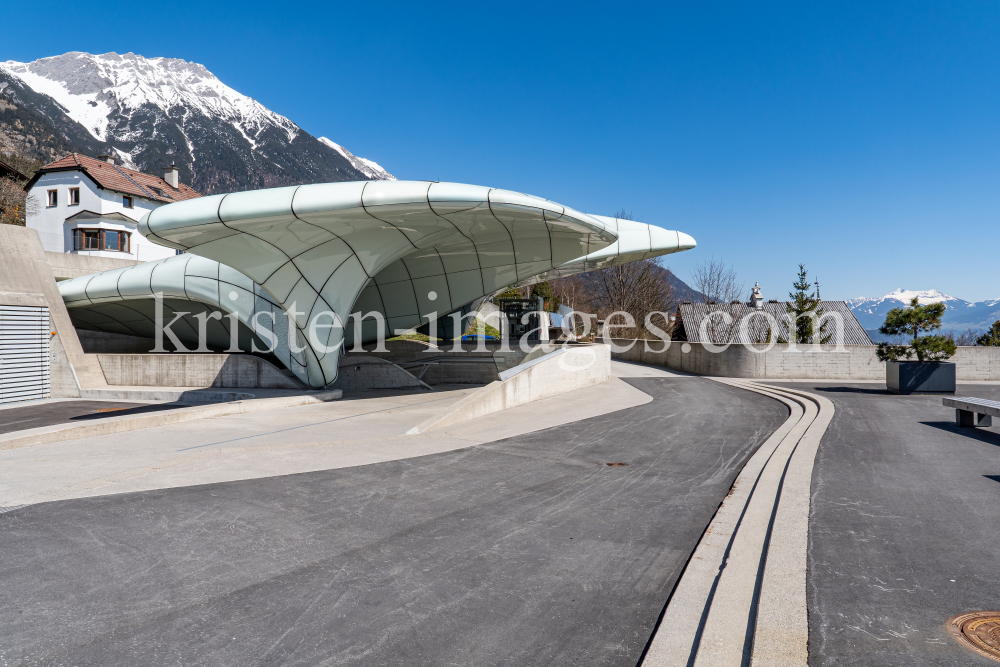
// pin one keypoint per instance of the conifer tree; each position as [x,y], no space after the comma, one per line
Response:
[992,336]
[804,307]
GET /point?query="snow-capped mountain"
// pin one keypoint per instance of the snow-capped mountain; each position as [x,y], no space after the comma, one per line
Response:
[367,167]
[958,314]
[154,111]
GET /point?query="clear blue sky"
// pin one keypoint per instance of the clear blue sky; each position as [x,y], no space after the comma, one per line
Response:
[859,138]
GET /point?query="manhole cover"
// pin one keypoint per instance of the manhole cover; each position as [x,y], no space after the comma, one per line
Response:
[615,465]
[978,630]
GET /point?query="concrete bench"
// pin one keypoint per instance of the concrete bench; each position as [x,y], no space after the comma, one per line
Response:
[971,412]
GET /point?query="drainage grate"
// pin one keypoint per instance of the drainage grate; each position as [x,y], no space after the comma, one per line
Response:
[979,631]
[615,465]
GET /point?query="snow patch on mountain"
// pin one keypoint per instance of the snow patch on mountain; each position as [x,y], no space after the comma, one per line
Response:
[369,168]
[90,87]
[156,111]
[924,297]
[958,314]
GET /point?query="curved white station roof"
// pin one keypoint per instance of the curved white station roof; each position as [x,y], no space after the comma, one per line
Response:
[411,250]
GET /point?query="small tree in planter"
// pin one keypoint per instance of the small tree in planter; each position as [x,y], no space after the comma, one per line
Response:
[929,373]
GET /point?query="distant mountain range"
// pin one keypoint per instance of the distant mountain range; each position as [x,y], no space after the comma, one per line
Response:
[150,112]
[958,315]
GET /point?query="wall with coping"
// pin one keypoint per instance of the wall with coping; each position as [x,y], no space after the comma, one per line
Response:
[26,280]
[67,265]
[787,362]
[193,370]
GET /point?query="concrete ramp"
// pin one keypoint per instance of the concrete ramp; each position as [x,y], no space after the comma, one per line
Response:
[557,372]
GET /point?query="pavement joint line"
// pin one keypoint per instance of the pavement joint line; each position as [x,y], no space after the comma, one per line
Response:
[111,425]
[327,421]
[757,575]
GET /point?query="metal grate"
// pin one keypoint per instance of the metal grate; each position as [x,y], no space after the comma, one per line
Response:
[24,353]
[979,631]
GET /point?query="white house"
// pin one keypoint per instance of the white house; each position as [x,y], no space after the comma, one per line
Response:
[90,207]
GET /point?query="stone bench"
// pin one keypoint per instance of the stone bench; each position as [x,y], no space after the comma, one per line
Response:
[971,412]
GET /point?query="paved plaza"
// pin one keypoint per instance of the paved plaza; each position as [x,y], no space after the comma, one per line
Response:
[902,529]
[546,534]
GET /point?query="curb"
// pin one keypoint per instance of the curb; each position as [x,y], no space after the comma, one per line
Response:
[170,395]
[743,593]
[111,425]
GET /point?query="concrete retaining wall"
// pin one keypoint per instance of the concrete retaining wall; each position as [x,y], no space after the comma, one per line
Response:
[364,373]
[563,370]
[471,363]
[26,279]
[193,370]
[785,362]
[71,265]
[104,342]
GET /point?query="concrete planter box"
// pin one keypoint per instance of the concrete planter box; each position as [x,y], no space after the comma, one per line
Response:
[913,377]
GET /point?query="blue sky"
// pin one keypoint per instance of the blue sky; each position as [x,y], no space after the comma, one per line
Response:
[861,140]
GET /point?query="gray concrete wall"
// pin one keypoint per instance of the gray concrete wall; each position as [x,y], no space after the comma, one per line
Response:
[105,342]
[193,370]
[364,373]
[26,279]
[786,362]
[67,265]
[467,364]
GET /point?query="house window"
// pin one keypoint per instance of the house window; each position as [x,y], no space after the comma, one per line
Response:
[74,196]
[53,198]
[126,201]
[100,239]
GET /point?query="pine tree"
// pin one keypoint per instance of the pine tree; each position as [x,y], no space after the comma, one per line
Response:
[804,307]
[912,321]
[992,336]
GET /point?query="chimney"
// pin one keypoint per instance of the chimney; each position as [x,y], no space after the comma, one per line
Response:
[170,175]
[110,159]
[756,300]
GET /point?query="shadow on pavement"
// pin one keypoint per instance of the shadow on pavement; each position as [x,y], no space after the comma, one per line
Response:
[122,412]
[980,434]
[995,478]
[853,390]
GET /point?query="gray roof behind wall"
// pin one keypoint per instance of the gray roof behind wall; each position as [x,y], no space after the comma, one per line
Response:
[692,315]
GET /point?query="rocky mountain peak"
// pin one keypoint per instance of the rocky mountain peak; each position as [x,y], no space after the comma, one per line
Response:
[153,111]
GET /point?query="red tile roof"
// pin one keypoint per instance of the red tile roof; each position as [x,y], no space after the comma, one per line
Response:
[118,179]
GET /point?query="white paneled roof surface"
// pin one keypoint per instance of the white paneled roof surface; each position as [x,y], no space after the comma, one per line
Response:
[411,250]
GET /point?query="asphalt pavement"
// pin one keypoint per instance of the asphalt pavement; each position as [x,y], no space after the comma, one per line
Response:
[48,413]
[903,528]
[529,550]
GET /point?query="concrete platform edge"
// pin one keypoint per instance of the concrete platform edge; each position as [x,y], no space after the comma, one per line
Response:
[47,434]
